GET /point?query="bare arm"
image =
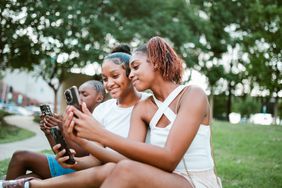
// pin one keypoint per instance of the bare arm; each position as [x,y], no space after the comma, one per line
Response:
[103,154]
[100,152]
[185,127]
[108,155]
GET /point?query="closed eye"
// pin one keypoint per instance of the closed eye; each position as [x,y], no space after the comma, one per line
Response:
[115,76]
[135,67]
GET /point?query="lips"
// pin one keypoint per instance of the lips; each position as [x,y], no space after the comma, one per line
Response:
[134,81]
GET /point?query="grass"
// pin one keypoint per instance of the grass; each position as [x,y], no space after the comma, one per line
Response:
[3,167]
[10,133]
[246,155]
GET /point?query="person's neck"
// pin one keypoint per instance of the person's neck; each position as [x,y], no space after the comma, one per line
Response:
[163,89]
[129,100]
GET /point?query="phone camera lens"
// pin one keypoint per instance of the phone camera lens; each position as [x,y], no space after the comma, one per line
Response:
[68,96]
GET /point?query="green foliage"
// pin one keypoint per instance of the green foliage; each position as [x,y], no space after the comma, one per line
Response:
[3,114]
[65,34]
[36,119]
[246,106]
[52,37]
[220,107]
[10,133]
[83,30]
[3,167]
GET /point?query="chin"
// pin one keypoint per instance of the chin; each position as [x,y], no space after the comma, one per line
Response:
[140,87]
[115,95]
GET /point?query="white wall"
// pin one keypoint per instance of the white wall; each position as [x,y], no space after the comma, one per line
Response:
[29,85]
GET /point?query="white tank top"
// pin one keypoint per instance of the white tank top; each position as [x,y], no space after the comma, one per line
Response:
[198,155]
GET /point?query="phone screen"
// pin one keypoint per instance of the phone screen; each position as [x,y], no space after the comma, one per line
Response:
[45,110]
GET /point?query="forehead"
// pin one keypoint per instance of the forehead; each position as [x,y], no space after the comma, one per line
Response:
[138,56]
[109,65]
[86,88]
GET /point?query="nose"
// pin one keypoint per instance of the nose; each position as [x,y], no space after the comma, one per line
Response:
[109,83]
[131,74]
[80,96]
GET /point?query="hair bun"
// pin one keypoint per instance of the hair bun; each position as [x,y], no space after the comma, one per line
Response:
[122,48]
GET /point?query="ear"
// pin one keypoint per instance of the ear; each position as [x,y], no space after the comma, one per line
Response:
[100,98]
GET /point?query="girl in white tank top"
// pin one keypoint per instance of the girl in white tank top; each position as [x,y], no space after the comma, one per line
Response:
[179,155]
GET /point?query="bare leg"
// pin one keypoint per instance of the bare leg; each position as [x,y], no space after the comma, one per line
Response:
[92,177]
[138,175]
[25,160]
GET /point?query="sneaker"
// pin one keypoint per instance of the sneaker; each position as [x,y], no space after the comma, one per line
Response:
[18,183]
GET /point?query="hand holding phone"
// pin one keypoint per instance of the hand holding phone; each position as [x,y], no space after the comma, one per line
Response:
[59,139]
[46,110]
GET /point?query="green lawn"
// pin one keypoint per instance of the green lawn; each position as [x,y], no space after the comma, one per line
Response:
[3,167]
[246,155]
[9,133]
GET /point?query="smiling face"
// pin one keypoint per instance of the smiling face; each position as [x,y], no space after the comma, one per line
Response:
[115,80]
[142,71]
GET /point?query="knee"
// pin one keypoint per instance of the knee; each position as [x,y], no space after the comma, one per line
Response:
[20,156]
[125,169]
[98,174]
[106,170]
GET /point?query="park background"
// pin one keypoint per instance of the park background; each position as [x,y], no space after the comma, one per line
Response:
[232,48]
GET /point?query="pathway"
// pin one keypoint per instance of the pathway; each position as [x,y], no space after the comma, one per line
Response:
[35,143]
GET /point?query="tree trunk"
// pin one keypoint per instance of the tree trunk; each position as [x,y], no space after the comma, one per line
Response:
[211,103]
[229,102]
[55,100]
[275,110]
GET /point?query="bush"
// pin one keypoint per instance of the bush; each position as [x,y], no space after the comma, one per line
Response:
[10,133]
[3,114]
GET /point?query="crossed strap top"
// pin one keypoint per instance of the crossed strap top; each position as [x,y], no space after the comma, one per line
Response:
[198,156]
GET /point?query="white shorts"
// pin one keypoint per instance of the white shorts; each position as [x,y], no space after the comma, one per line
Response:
[201,179]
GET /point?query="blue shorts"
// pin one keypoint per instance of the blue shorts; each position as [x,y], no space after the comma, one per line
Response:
[55,168]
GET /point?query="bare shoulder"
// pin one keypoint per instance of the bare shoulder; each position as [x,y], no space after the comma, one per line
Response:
[143,104]
[195,91]
[195,95]
[144,108]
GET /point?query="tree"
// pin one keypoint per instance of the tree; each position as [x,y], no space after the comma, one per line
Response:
[263,43]
[59,35]
[215,40]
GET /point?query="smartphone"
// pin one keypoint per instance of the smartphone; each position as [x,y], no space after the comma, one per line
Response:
[59,139]
[72,97]
[46,110]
